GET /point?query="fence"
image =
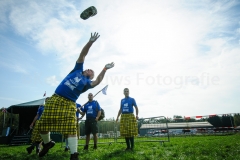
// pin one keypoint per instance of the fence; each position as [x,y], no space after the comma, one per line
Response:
[154,129]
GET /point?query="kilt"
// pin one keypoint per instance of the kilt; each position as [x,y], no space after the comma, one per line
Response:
[128,125]
[35,137]
[59,115]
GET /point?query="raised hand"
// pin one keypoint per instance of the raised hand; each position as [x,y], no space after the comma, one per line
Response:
[94,37]
[109,65]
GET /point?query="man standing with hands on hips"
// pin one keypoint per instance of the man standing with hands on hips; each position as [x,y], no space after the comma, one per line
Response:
[60,110]
[128,122]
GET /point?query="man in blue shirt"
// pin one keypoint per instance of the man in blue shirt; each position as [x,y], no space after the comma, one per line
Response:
[35,137]
[128,123]
[60,110]
[93,112]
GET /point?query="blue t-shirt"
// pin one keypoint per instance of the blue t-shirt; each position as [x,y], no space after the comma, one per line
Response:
[74,84]
[40,111]
[91,109]
[81,108]
[127,105]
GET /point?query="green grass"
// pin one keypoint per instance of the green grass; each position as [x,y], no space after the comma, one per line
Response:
[179,148]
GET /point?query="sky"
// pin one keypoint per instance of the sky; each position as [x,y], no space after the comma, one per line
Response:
[177,57]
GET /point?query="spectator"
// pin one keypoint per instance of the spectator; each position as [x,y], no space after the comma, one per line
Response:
[93,112]
[35,137]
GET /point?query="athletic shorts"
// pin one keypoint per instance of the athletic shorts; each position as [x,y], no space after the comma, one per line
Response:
[91,126]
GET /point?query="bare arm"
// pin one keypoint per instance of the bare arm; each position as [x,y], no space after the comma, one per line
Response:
[84,52]
[99,78]
[83,114]
[34,120]
[86,48]
[98,115]
[101,75]
[119,113]
[79,111]
[136,111]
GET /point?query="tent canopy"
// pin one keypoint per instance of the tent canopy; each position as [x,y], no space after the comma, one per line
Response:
[18,108]
[27,111]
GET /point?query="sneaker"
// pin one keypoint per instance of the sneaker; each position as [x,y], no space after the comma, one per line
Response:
[46,147]
[85,147]
[66,149]
[74,156]
[89,12]
[30,149]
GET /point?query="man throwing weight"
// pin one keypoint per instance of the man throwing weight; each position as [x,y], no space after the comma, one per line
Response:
[60,110]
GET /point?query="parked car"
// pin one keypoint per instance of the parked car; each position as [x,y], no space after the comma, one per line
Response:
[150,132]
[159,135]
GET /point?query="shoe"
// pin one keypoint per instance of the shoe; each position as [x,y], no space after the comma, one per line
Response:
[85,147]
[74,156]
[30,149]
[37,151]
[66,149]
[128,149]
[95,147]
[89,12]
[46,147]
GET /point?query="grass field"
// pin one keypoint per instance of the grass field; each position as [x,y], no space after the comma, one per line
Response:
[190,148]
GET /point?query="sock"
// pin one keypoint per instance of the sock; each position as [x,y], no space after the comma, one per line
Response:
[86,146]
[37,145]
[132,142]
[127,142]
[33,145]
[66,140]
[46,138]
[72,143]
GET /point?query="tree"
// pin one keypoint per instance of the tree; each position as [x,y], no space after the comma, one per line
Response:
[224,121]
[8,120]
[178,118]
[215,121]
[227,121]
[236,119]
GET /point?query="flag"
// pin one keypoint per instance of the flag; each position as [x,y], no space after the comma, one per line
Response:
[44,94]
[104,90]
[4,110]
